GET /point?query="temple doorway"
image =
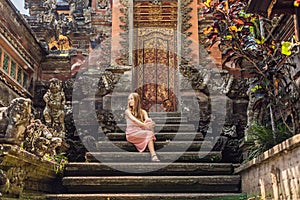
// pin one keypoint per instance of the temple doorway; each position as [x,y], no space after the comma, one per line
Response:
[155,72]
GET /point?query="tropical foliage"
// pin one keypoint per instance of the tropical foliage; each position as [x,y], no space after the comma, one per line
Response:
[247,42]
[263,138]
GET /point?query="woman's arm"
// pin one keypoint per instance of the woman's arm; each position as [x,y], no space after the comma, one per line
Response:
[148,120]
[135,120]
[145,114]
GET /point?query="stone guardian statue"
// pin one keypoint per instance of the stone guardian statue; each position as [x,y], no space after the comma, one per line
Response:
[54,114]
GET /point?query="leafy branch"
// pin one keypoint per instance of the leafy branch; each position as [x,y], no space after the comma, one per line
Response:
[247,42]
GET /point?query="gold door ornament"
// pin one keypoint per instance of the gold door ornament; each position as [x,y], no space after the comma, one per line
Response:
[156,71]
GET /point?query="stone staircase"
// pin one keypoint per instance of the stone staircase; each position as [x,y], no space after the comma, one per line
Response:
[188,168]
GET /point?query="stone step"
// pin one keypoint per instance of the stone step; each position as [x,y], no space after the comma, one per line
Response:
[149,196]
[164,184]
[169,120]
[165,114]
[175,128]
[164,120]
[154,169]
[163,146]
[201,156]
[160,136]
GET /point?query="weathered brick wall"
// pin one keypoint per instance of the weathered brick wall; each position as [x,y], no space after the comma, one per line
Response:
[275,174]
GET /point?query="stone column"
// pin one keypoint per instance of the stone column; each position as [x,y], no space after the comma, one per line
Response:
[116,30]
[194,29]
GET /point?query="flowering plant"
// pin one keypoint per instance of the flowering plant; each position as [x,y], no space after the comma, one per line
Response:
[248,42]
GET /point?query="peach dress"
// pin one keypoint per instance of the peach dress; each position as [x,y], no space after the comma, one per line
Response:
[138,136]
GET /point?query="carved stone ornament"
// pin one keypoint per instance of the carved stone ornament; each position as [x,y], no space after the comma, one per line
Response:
[54,111]
[16,176]
[102,4]
[21,170]
[256,106]
[62,43]
[39,140]
[14,119]
[4,183]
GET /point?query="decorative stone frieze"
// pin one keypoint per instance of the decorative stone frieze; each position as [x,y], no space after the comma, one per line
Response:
[184,11]
[124,18]
[206,89]
[23,170]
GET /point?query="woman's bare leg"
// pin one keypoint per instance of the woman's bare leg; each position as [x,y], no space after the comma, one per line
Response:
[152,151]
[151,147]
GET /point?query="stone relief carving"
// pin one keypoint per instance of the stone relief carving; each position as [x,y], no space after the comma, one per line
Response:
[101,4]
[54,111]
[230,131]
[200,78]
[39,140]
[49,7]
[18,126]
[227,80]
[77,8]
[97,40]
[4,183]
[14,119]
[256,106]
[63,24]
[238,88]
[185,9]
[16,177]
[62,43]
[124,18]
[87,16]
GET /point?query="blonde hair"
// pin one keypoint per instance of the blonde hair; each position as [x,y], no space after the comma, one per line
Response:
[136,110]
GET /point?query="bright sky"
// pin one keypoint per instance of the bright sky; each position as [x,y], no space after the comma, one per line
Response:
[20,6]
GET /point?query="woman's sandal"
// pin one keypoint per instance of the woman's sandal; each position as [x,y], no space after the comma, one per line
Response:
[154,158]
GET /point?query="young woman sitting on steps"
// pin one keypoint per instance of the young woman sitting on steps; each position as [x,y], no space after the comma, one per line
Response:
[139,130]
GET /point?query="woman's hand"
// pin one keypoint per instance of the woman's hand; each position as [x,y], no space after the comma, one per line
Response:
[150,125]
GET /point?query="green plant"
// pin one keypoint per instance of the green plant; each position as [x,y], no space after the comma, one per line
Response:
[248,42]
[60,159]
[262,138]
[236,197]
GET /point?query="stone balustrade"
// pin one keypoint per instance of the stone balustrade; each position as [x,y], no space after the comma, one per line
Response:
[275,174]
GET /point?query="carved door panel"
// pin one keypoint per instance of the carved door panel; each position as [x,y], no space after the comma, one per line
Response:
[155,56]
